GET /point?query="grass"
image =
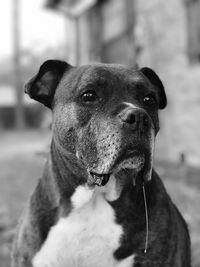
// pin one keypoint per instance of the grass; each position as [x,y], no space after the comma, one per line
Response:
[21,164]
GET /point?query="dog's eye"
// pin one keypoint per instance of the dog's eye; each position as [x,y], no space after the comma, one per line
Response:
[89,96]
[150,100]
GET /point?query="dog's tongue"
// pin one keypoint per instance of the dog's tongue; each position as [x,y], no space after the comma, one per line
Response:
[100,179]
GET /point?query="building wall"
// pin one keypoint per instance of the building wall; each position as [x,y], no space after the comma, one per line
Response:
[161,35]
[117,32]
[102,33]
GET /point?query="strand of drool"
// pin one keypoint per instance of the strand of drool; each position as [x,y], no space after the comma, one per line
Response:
[147,221]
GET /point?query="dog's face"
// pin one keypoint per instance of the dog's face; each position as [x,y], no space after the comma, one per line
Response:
[106,115]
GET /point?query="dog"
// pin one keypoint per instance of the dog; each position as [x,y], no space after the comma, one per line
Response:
[99,202]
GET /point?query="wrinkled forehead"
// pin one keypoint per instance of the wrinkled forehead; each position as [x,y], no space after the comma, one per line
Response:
[102,75]
[111,78]
[110,74]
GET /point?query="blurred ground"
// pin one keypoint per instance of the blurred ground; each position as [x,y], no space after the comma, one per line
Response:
[22,158]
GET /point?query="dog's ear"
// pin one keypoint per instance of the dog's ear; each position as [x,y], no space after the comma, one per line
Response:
[43,85]
[155,80]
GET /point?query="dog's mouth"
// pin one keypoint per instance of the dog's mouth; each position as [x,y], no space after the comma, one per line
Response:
[131,160]
[100,179]
[128,157]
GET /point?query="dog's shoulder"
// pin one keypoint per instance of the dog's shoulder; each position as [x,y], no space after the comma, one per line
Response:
[167,223]
[43,207]
[173,215]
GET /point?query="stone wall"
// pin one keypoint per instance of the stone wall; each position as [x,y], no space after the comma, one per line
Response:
[161,35]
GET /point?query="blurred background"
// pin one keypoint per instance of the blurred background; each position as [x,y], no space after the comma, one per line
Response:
[163,35]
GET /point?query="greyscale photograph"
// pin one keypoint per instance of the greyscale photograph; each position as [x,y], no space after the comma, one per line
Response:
[100,133]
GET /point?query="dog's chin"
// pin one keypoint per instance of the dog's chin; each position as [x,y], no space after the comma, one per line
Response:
[98,179]
[133,164]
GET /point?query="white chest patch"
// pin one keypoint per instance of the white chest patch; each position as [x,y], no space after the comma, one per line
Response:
[88,237]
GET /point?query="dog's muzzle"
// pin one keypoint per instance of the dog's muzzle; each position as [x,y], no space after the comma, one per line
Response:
[126,147]
[135,119]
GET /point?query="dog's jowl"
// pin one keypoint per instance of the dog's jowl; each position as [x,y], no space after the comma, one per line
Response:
[99,202]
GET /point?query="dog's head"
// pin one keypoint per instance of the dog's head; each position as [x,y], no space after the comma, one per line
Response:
[106,115]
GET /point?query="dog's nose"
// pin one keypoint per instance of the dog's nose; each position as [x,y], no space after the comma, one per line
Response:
[135,119]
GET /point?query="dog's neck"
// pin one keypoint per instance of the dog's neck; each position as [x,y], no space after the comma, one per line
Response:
[68,172]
